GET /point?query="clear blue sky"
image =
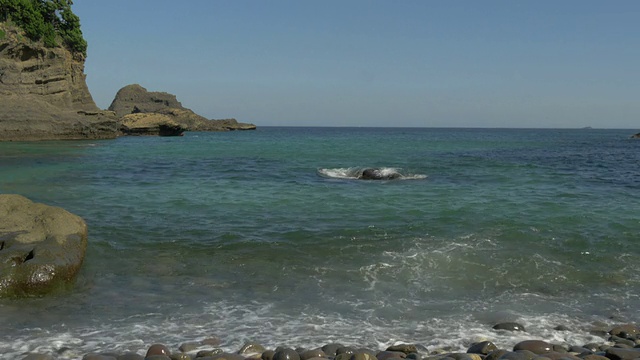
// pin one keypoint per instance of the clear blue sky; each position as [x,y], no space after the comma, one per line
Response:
[426,63]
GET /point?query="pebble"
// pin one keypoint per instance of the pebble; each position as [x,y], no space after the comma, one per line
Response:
[623,343]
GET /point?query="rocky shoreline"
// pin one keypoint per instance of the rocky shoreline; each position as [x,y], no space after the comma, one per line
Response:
[622,343]
[44,96]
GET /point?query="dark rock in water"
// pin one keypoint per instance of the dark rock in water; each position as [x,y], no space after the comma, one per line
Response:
[635,136]
[614,353]
[561,328]
[510,326]
[535,346]
[484,347]
[41,247]
[377,174]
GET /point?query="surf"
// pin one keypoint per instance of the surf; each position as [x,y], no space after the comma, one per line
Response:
[369,173]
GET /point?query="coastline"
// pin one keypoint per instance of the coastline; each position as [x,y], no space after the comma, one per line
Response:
[618,342]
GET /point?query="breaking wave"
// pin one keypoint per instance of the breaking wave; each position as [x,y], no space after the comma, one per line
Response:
[356,173]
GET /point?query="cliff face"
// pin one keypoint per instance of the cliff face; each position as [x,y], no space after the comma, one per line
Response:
[43,93]
[164,108]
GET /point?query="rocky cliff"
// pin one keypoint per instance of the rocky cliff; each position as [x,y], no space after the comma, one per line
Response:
[165,109]
[43,93]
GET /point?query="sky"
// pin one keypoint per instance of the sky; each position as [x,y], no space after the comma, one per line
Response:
[424,63]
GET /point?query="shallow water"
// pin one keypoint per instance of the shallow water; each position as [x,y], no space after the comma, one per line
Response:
[264,236]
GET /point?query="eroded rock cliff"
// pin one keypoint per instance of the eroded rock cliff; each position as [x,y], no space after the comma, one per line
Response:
[43,93]
[135,99]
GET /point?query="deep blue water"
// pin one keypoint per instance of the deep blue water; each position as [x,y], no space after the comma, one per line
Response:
[264,236]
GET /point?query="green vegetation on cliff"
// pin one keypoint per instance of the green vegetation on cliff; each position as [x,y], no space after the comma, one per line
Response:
[46,20]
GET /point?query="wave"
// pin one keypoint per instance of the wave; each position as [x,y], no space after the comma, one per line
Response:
[387,173]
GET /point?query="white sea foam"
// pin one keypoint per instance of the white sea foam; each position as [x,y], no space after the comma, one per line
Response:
[356,173]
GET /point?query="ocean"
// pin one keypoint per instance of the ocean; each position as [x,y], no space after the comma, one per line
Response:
[268,236]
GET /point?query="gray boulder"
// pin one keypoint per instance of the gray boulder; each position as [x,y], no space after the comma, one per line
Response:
[41,247]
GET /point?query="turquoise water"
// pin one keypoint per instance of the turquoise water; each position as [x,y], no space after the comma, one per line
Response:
[263,236]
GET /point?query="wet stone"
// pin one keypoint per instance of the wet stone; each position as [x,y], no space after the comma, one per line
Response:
[614,353]
[535,346]
[495,354]
[362,356]
[188,346]
[626,330]
[210,352]
[484,347]
[267,355]
[158,349]
[251,348]
[130,356]
[180,356]
[286,354]
[331,349]
[383,355]
[345,350]
[38,357]
[404,348]
[229,356]
[314,353]
[594,357]
[93,356]
[518,355]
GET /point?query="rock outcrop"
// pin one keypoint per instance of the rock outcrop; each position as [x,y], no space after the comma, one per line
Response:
[43,93]
[135,99]
[41,247]
[150,124]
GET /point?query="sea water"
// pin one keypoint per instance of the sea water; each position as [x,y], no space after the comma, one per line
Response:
[269,236]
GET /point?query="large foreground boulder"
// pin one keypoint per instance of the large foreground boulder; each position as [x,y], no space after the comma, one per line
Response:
[43,93]
[135,99]
[41,247]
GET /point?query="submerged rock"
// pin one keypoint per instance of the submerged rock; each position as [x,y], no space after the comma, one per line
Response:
[41,247]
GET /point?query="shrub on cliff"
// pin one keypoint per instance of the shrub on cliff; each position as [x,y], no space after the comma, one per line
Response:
[46,20]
